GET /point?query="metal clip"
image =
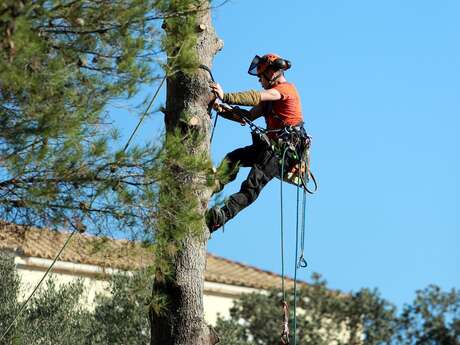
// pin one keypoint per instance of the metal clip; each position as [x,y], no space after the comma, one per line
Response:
[302,262]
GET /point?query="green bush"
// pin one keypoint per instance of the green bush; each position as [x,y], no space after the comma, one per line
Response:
[56,316]
[122,317]
[9,290]
[327,317]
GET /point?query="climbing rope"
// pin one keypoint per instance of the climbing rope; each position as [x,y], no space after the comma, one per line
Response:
[253,127]
[299,261]
[69,238]
[302,262]
[207,69]
[144,114]
[284,304]
[296,256]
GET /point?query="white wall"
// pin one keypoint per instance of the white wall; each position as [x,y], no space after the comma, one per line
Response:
[218,298]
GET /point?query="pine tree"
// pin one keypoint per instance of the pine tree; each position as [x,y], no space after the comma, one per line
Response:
[61,164]
[61,63]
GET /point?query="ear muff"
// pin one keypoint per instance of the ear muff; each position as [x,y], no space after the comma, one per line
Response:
[281,64]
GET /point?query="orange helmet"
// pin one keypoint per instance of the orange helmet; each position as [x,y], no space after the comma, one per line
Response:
[260,64]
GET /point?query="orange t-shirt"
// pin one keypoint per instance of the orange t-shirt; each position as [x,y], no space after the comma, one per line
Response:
[286,111]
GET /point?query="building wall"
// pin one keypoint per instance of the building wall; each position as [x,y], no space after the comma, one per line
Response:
[218,298]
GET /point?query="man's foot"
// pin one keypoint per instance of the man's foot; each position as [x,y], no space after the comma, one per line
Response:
[215,218]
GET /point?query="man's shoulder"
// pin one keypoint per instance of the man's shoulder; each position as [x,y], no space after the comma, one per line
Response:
[286,89]
[284,86]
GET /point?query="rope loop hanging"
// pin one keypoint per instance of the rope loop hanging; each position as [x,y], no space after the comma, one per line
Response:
[299,260]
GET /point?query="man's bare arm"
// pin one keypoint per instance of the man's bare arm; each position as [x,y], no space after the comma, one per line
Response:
[256,112]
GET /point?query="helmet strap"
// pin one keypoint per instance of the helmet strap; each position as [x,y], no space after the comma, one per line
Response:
[276,76]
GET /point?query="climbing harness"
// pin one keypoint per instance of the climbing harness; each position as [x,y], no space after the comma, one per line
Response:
[297,143]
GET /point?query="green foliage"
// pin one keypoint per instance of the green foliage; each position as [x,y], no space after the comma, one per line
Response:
[9,290]
[182,177]
[363,317]
[56,314]
[433,318]
[122,317]
[233,333]
[61,63]
[323,317]
[180,41]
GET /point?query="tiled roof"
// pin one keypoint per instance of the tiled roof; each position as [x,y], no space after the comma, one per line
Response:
[122,254]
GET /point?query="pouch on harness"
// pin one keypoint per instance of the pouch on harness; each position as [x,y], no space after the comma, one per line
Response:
[291,144]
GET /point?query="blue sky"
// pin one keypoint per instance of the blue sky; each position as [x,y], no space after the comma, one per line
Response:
[380,88]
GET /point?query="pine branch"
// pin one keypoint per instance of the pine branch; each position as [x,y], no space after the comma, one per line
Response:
[24,203]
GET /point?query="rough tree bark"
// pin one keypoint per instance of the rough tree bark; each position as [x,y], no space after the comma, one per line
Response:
[183,323]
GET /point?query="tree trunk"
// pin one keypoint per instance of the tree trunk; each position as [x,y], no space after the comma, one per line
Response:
[182,323]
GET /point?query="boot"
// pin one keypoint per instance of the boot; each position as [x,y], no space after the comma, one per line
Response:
[215,218]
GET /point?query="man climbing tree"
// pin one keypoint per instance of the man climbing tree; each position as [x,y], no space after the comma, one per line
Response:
[279,103]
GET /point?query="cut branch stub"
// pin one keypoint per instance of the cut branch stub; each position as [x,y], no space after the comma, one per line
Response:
[194,121]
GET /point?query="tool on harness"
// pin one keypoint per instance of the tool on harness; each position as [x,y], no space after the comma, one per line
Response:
[292,146]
